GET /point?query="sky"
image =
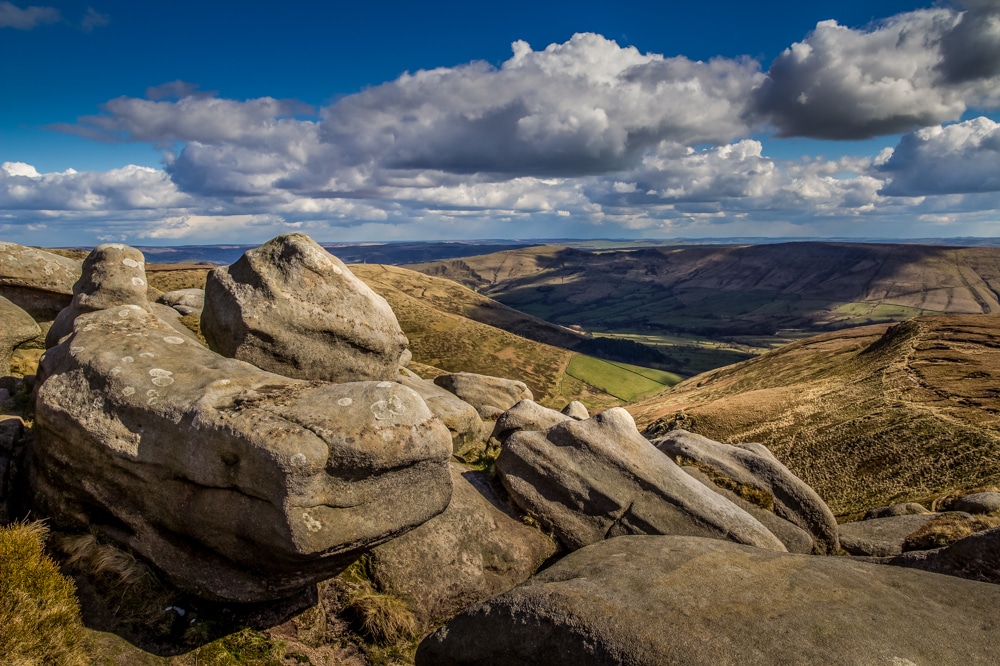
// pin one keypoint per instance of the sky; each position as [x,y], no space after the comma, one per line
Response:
[234,121]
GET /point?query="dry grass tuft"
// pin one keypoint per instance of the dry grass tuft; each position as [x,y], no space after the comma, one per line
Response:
[752,494]
[39,613]
[382,618]
[947,529]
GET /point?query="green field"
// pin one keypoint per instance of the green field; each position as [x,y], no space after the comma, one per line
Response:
[623,381]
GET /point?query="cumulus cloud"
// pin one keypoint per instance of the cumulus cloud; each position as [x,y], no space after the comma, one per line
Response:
[12,16]
[959,158]
[915,69]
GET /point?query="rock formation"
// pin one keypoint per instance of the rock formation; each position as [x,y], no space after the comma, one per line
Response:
[491,396]
[647,601]
[185,301]
[16,327]
[39,282]
[468,553]
[467,429]
[753,466]
[880,537]
[291,308]
[900,509]
[576,410]
[238,484]
[599,478]
[976,557]
[526,415]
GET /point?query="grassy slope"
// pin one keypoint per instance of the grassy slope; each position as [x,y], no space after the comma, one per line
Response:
[735,290]
[864,416]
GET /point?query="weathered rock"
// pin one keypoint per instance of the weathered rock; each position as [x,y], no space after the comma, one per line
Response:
[901,509]
[754,466]
[16,327]
[468,553]
[491,396]
[576,410]
[595,479]
[38,282]
[291,308]
[185,301]
[238,484]
[405,358]
[468,433]
[881,537]
[977,503]
[976,557]
[526,415]
[796,539]
[646,601]
[11,453]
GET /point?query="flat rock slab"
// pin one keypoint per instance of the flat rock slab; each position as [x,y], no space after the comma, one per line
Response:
[468,553]
[881,537]
[648,601]
[237,484]
[39,282]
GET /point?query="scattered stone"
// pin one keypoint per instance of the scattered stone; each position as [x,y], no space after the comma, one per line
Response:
[405,358]
[796,539]
[576,410]
[238,484]
[113,275]
[38,282]
[525,415]
[901,509]
[491,396]
[16,328]
[651,600]
[881,537]
[468,553]
[291,308]
[468,433]
[977,503]
[185,301]
[752,467]
[595,479]
[976,557]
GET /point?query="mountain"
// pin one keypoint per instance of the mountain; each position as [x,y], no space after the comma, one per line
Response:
[738,290]
[866,416]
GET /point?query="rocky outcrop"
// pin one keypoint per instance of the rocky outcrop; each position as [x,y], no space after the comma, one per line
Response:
[977,503]
[38,282]
[238,484]
[599,478]
[753,469]
[881,537]
[16,327]
[491,396]
[976,557]
[468,433]
[526,415]
[468,553]
[113,274]
[185,301]
[648,601]
[291,308]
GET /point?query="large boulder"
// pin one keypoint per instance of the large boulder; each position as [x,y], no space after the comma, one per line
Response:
[977,503]
[185,301]
[468,433]
[647,601]
[113,274]
[16,327]
[753,469]
[291,308]
[238,484]
[599,478]
[526,415]
[491,396]
[898,509]
[976,557]
[468,553]
[38,282]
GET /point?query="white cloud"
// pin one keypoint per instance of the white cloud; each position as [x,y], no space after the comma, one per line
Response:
[128,188]
[93,19]
[12,16]
[959,158]
[911,70]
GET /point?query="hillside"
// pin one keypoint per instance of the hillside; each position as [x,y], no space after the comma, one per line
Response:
[866,416]
[739,290]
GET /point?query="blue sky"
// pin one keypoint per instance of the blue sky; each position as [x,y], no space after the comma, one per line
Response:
[234,121]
